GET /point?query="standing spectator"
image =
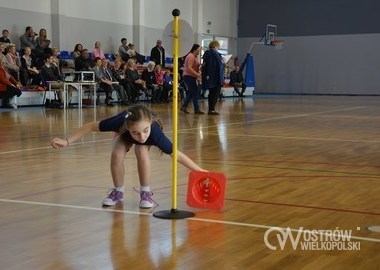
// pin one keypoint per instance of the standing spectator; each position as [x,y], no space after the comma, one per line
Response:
[77,50]
[123,49]
[28,39]
[237,81]
[13,61]
[150,82]
[28,70]
[83,62]
[213,75]
[157,54]
[191,74]
[97,52]
[43,42]
[9,86]
[136,83]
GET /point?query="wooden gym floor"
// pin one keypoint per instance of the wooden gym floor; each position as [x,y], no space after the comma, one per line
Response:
[290,161]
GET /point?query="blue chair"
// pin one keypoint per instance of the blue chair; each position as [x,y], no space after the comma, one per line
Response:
[110,57]
[65,55]
[147,59]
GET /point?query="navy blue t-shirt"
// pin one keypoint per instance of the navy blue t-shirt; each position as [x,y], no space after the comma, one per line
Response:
[156,137]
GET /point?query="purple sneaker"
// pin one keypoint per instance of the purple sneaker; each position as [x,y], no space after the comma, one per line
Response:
[113,197]
[146,199]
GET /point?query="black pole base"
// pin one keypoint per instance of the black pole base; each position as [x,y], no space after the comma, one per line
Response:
[173,214]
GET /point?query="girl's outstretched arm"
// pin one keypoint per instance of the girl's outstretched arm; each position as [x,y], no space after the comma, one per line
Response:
[77,134]
[188,163]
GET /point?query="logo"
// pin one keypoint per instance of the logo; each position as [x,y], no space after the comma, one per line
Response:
[310,239]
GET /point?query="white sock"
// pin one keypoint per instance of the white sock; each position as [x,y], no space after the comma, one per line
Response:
[145,188]
[120,189]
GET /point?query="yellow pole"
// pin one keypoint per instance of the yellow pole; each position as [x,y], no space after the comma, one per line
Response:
[175,113]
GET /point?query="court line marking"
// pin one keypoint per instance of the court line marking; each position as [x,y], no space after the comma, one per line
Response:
[287,137]
[251,225]
[196,128]
[50,147]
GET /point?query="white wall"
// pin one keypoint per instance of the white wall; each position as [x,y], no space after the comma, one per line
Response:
[85,21]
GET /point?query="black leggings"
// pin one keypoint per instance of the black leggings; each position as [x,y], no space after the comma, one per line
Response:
[213,95]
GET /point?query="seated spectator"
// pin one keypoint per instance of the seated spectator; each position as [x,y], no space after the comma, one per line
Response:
[149,77]
[2,49]
[4,39]
[9,86]
[136,83]
[43,43]
[29,74]
[118,73]
[28,39]
[237,81]
[77,50]
[97,52]
[123,49]
[57,63]
[49,73]
[83,62]
[13,61]
[159,76]
[104,83]
[133,54]
[168,86]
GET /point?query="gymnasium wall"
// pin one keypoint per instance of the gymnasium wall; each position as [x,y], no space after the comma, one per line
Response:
[331,47]
[141,21]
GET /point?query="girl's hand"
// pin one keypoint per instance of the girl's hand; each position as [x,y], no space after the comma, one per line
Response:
[58,143]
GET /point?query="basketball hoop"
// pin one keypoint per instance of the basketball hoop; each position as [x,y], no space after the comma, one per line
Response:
[277,44]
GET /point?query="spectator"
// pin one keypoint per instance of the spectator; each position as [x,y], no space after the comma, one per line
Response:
[135,55]
[50,73]
[2,49]
[213,75]
[77,50]
[105,84]
[56,61]
[237,81]
[43,43]
[4,39]
[136,83]
[83,62]
[157,54]
[159,76]
[13,61]
[97,52]
[118,73]
[190,76]
[123,49]
[149,78]
[9,86]
[29,74]
[28,39]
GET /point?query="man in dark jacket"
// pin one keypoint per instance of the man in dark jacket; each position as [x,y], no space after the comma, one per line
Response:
[237,81]
[212,75]
[157,54]
[83,62]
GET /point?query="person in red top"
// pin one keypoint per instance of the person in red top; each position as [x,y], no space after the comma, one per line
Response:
[160,80]
[9,87]
[190,76]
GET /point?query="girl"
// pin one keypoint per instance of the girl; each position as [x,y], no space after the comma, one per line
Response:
[190,76]
[137,126]
[77,50]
